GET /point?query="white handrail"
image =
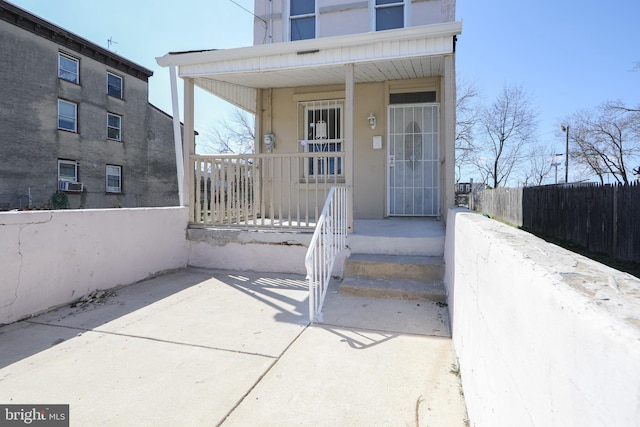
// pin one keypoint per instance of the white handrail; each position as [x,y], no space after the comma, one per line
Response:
[329,239]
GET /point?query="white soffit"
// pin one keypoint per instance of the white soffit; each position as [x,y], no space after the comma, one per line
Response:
[234,74]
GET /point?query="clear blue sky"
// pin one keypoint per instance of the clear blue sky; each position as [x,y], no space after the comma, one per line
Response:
[569,55]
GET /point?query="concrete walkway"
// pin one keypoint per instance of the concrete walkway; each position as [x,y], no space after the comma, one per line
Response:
[200,347]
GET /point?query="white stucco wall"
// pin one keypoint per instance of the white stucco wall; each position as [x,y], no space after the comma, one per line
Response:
[544,337]
[49,258]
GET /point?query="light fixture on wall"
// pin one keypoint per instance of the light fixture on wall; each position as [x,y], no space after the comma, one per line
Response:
[372,120]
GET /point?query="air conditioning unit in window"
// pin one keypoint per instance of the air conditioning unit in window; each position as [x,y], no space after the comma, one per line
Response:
[70,186]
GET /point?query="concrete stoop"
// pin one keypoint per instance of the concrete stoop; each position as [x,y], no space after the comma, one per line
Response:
[394,276]
[396,289]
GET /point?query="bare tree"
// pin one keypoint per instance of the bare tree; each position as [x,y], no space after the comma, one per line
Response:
[605,139]
[508,125]
[541,160]
[235,135]
[467,115]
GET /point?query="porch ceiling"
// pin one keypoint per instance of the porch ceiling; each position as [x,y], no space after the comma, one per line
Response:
[236,74]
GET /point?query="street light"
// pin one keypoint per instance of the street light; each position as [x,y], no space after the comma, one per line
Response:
[565,129]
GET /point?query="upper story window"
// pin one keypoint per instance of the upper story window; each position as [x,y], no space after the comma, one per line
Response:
[68,170]
[302,15]
[68,68]
[114,179]
[114,85]
[114,127]
[389,14]
[67,116]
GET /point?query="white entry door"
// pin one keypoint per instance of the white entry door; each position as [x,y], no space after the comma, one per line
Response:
[413,184]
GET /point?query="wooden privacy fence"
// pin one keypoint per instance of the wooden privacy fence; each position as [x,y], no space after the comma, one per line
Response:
[601,218]
[503,203]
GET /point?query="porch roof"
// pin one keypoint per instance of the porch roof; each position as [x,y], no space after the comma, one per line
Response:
[236,74]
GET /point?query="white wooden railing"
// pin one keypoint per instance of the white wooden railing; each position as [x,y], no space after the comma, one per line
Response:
[329,239]
[262,190]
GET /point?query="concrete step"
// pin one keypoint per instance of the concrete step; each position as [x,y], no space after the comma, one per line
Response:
[401,289]
[400,236]
[410,267]
[385,314]
[419,245]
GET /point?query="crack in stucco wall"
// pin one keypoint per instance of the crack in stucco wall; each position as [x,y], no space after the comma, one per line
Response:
[20,255]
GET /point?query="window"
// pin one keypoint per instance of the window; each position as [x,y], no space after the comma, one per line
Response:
[68,68]
[412,97]
[114,127]
[114,179]
[323,133]
[68,170]
[303,19]
[67,116]
[389,14]
[114,85]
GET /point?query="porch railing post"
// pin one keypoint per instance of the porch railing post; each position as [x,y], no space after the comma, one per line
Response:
[189,146]
[348,167]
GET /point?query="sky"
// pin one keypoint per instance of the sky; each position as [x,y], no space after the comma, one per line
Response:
[568,55]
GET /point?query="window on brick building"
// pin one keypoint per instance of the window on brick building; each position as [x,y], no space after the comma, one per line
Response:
[67,116]
[114,179]
[68,68]
[114,85]
[114,127]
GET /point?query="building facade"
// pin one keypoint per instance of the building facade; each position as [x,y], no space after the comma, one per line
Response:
[372,80]
[77,128]
[290,20]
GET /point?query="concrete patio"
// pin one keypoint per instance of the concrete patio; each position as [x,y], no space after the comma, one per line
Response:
[213,347]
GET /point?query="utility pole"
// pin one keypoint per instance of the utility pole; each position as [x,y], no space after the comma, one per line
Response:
[565,129]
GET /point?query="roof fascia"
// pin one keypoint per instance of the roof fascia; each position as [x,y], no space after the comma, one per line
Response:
[311,45]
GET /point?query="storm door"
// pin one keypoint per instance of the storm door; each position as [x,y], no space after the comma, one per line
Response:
[413,184]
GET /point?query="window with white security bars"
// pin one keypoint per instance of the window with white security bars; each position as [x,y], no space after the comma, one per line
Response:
[320,130]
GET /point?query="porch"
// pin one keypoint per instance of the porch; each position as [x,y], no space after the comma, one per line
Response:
[374,112]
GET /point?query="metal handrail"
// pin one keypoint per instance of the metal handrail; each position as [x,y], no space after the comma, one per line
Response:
[329,239]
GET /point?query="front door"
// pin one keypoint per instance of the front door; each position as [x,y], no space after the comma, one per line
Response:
[413,184]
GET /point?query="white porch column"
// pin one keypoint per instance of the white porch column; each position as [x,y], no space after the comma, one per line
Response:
[448,137]
[188,144]
[349,140]
[177,135]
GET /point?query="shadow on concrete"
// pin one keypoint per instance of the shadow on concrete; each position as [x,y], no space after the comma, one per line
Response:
[360,340]
[263,289]
[23,339]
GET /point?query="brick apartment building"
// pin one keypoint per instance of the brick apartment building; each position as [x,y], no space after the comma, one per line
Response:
[77,128]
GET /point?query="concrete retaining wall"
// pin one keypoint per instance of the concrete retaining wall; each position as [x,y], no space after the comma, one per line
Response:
[267,251]
[50,258]
[544,337]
